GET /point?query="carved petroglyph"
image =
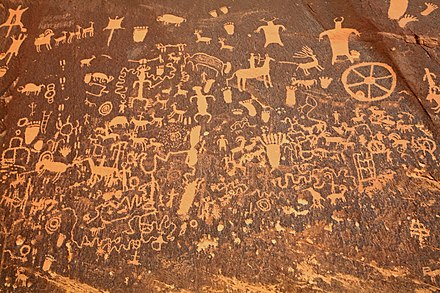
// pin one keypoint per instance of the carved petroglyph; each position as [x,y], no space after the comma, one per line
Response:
[339,40]
[271,32]
[263,72]
[369,81]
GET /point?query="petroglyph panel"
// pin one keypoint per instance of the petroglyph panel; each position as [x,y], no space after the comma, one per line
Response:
[219,146]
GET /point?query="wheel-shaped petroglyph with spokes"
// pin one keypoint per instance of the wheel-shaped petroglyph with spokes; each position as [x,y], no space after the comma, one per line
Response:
[369,81]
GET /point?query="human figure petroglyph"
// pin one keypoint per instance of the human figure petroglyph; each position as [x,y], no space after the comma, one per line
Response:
[339,39]
[141,73]
[253,60]
[271,32]
[222,143]
[336,117]
[290,100]
[67,128]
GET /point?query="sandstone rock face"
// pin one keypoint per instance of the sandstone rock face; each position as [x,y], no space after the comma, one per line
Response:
[219,146]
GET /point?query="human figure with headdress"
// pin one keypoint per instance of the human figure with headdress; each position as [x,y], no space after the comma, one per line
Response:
[339,38]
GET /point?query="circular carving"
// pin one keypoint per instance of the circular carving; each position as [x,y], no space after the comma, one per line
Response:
[105,108]
[193,223]
[53,224]
[24,250]
[369,81]
[22,122]
[264,205]
[46,156]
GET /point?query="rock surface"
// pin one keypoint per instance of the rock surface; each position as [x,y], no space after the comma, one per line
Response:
[219,146]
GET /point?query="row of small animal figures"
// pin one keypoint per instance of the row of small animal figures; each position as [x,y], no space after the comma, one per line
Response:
[82,33]
[46,37]
[199,39]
